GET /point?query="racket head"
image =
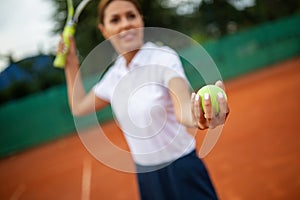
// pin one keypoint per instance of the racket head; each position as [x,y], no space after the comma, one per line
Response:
[79,9]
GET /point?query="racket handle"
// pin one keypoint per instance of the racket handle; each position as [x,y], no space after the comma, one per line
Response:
[60,59]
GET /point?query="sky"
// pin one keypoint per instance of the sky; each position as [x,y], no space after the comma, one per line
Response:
[26,27]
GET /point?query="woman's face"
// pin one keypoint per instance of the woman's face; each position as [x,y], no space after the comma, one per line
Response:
[123,24]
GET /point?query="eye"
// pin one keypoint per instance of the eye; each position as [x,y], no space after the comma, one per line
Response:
[114,20]
[131,16]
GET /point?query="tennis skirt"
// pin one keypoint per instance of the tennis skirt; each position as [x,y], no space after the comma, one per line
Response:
[183,179]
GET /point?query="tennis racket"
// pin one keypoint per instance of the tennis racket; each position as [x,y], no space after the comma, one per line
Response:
[69,30]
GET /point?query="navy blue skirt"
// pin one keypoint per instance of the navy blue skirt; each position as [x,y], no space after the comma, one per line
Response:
[183,179]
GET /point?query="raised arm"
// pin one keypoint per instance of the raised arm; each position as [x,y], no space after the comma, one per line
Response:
[81,103]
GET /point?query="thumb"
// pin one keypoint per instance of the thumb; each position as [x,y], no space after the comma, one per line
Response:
[220,84]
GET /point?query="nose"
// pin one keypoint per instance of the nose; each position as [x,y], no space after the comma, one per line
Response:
[125,24]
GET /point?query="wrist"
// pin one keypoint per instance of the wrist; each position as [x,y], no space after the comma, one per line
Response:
[72,63]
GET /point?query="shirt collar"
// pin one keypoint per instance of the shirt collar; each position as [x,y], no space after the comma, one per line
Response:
[139,59]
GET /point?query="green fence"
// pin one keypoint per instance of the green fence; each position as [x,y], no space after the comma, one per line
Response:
[249,50]
[37,119]
[260,46]
[46,116]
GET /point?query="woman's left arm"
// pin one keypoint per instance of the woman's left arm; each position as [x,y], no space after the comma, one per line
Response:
[188,106]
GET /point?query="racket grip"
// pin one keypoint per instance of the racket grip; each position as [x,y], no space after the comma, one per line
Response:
[60,59]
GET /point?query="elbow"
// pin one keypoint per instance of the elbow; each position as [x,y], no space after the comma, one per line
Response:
[76,112]
[179,118]
[185,119]
[75,109]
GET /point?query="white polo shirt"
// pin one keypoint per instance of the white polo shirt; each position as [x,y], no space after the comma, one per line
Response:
[143,107]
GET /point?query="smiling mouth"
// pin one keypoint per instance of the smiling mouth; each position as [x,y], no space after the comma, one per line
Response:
[128,35]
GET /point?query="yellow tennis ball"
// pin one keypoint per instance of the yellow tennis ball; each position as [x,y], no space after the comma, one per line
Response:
[213,92]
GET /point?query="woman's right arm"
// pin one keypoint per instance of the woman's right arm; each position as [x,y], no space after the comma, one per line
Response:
[81,103]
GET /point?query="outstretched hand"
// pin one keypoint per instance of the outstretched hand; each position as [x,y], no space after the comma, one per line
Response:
[206,118]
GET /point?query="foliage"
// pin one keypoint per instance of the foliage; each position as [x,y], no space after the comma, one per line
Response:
[42,75]
[200,19]
[209,19]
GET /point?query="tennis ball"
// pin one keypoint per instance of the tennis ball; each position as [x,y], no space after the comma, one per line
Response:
[213,91]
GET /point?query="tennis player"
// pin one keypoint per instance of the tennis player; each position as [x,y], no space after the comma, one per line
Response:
[150,97]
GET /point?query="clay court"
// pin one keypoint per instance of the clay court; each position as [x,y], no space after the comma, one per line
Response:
[256,157]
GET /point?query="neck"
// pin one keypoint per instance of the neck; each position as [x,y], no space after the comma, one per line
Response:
[129,56]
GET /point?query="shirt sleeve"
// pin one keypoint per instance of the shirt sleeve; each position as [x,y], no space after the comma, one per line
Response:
[104,87]
[174,69]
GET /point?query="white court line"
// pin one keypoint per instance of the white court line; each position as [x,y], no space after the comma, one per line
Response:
[86,179]
[18,192]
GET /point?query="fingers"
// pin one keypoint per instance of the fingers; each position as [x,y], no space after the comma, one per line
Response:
[197,112]
[65,47]
[203,118]
[207,107]
[212,118]
[194,114]
[60,46]
[194,108]
[221,116]
[68,49]
[197,107]
[224,110]
[207,118]
[220,84]
[202,122]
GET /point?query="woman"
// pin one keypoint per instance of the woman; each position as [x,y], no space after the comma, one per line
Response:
[152,82]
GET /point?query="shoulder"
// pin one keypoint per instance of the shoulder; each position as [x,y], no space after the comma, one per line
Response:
[162,53]
[158,48]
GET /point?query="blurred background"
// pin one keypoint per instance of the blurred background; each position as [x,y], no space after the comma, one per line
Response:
[242,36]
[30,30]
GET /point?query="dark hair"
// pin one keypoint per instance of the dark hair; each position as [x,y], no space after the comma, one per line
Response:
[104,3]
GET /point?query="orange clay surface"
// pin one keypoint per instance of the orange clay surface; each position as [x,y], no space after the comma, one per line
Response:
[256,157]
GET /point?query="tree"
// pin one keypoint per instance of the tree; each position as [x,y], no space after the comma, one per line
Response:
[200,19]
[268,10]
[28,76]
[154,15]
[221,16]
